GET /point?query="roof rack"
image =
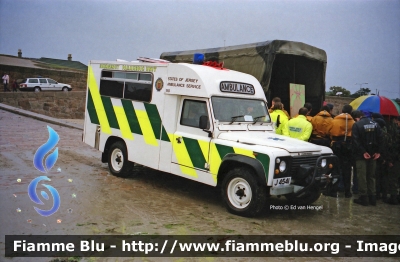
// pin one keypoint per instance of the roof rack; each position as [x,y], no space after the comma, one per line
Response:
[152,60]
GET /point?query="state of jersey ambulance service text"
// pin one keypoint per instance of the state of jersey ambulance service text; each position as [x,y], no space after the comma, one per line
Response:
[202,246]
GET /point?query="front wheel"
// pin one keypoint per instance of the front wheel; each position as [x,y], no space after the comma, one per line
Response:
[65,89]
[118,162]
[242,193]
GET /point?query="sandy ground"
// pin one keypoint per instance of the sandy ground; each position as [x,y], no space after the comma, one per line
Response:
[150,202]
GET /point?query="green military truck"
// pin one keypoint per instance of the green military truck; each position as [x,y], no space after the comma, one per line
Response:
[275,64]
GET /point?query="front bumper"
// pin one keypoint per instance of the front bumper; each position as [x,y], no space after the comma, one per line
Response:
[309,176]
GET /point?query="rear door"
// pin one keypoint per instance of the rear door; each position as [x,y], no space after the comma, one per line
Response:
[44,85]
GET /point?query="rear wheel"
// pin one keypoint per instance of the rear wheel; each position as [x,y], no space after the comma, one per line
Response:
[242,193]
[118,162]
[36,89]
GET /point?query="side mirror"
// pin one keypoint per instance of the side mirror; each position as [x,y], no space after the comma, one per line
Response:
[203,122]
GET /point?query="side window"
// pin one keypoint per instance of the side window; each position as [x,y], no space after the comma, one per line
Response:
[43,81]
[129,85]
[33,81]
[145,77]
[51,81]
[111,88]
[191,112]
[138,91]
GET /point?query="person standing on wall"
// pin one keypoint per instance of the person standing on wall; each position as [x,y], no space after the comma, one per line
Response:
[367,148]
[6,79]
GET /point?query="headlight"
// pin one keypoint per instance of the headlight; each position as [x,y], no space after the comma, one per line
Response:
[282,166]
[278,160]
[323,163]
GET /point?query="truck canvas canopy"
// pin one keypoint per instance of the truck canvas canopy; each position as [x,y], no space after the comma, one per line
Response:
[275,64]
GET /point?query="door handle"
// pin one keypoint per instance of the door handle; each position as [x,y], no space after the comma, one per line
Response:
[179,140]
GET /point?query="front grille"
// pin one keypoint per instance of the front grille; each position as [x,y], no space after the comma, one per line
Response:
[300,160]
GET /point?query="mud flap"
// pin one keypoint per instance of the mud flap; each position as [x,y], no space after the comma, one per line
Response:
[97,137]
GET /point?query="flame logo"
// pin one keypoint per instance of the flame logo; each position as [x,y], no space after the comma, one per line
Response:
[38,160]
[34,197]
[44,149]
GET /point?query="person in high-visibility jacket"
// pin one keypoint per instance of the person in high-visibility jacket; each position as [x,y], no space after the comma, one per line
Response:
[300,127]
[275,100]
[279,118]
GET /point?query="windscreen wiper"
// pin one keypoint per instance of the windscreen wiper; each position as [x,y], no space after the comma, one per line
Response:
[233,118]
[256,118]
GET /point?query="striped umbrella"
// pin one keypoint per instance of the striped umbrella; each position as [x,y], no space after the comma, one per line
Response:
[376,104]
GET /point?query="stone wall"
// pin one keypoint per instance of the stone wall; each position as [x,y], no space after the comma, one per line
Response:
[72,104]
[55,104]
[338,103]
[77,79]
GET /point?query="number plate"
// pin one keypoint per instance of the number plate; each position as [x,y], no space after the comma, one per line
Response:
[280,182]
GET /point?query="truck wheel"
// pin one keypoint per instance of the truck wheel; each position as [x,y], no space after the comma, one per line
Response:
[118,160]
[306,198]
[242,194]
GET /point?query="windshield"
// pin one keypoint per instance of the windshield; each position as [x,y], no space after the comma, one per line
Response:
[229,109]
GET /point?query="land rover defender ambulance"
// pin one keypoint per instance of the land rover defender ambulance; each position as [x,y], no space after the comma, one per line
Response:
[202,122]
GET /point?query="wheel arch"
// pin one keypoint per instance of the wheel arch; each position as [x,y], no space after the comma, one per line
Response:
[231,161]
[110,140]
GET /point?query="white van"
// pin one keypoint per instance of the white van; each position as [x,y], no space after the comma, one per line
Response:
[202,122]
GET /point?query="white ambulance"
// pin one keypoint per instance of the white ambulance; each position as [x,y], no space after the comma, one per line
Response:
[202,122]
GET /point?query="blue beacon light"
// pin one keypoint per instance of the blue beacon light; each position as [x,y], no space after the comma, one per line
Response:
[198,59]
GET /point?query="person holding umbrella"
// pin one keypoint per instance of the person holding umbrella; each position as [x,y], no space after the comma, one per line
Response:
[367,148]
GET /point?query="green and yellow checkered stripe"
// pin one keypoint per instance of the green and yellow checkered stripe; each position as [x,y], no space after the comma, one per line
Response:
[218,152]
[125,118]
[192,153]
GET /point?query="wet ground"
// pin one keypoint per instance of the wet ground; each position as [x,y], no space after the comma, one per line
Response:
[95,202]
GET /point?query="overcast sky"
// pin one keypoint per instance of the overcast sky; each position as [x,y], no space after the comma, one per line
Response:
[361,38]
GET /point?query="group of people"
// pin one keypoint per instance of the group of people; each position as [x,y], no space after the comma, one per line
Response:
[6,80]
[365,143]
[298,127]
